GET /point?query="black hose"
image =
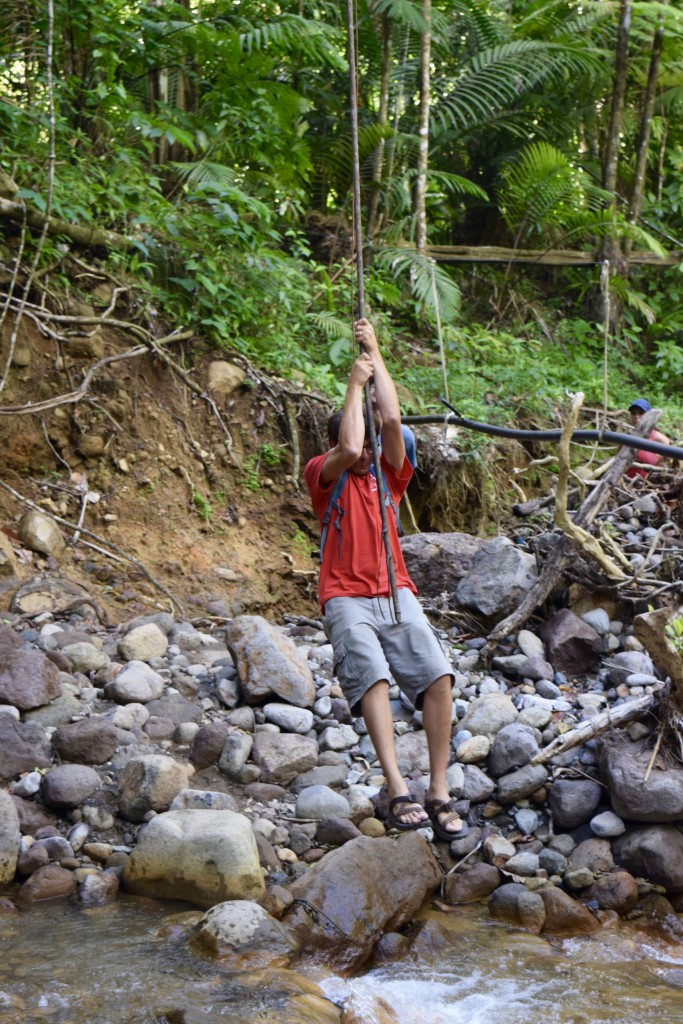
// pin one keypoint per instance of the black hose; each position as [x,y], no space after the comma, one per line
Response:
[603,436]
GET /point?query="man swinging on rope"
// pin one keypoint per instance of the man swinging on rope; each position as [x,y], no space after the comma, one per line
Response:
[370,646]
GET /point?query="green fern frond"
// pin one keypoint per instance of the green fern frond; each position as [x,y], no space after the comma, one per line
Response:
[421,275]
[203,173]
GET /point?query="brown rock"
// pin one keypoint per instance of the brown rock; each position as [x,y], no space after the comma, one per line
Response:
[565,916]
[472,885]
[90,741]
[616,891]
[28,679]
[360,890]
[48,883]
[23,747]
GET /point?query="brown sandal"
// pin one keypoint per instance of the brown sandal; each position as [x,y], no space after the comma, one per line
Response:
[436,807]
[394,818]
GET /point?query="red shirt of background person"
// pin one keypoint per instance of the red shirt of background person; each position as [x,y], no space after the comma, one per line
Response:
[637,410]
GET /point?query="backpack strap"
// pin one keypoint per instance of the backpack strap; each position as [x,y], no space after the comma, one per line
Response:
[333,504]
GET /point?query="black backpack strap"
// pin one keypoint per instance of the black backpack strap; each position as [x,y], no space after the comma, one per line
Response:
[333,504]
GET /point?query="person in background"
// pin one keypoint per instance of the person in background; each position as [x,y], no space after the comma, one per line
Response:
[371,648]
[637,410]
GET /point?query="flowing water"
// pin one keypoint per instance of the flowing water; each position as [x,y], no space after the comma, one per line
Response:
[121,964]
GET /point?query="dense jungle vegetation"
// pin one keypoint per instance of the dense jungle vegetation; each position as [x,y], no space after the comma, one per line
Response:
[200,150]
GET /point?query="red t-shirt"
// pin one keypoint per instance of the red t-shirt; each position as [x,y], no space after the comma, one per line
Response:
[650,458]
[357,566]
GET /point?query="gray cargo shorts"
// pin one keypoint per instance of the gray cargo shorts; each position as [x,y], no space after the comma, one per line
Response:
[370,645]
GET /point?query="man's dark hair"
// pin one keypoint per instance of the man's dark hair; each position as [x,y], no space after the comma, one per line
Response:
[334,423]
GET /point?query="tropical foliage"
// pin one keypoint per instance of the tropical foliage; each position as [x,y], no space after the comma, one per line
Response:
[213,137]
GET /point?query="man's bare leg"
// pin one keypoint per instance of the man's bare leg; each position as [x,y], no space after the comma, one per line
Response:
[436,718]
[377,715]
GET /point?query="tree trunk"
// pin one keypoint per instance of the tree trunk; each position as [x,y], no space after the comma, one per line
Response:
[608,304]
[643,144]
[383,119]
[419,205]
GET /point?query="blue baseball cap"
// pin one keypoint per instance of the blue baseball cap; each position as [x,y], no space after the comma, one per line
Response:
[640,403]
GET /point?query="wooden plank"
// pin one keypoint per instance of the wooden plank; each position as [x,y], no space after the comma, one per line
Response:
[548,257]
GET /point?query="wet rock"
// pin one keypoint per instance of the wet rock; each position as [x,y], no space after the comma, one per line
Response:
[204,857]
[472,885]
[617,890]
[514,904]
[27,678]
[572,645]
[98,889]
[10,837]
[573,802]
[269,663]
[69,785]
[150,783]
[22,748]
[244,936]
[48,883]
[564,916]
[360,890]
[90,741]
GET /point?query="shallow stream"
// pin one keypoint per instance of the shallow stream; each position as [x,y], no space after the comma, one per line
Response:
[119,965]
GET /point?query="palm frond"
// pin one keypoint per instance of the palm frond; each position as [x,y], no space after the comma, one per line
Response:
[203,173]
[423,277]
[402,12]
[292,34]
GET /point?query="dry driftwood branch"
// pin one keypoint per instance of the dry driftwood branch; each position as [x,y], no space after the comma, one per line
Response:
[564,553]
[581,538]
[590,727]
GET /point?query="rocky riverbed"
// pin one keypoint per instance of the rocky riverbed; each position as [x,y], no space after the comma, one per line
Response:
[218,763]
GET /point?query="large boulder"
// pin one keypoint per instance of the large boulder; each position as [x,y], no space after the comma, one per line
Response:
[268,662]
[10,836]
[68,785]
[359,891]
[655,853]
[573,802]
[204,857]
[636,794]
[501,574]
[438,561]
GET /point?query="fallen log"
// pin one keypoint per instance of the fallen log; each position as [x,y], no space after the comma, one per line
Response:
[613,718]
[88,237]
